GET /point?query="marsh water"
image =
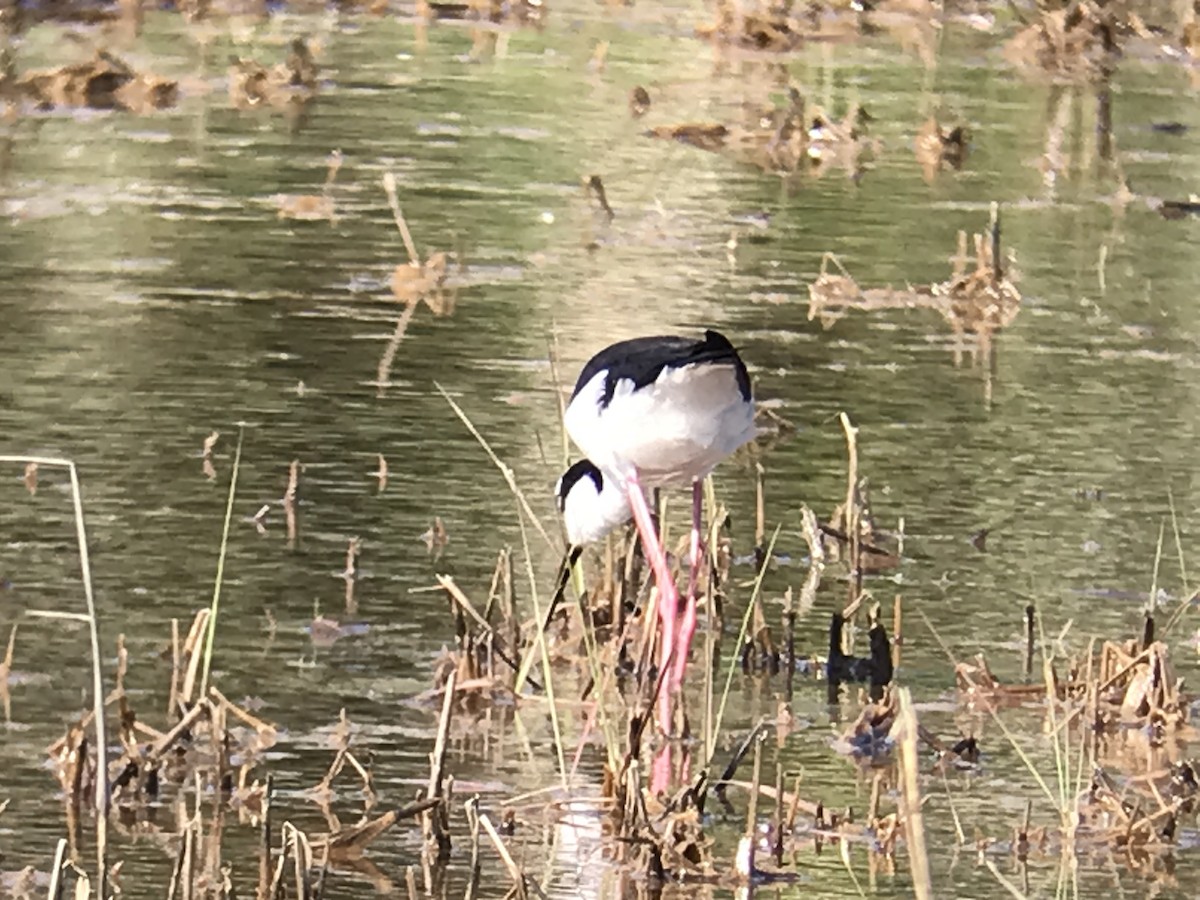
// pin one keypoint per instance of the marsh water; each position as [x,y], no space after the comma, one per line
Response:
[151,294]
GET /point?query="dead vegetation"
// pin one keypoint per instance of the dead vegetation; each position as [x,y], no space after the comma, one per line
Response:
[976,303]
[314,207]
[795,139]
[287,84]
[103,82]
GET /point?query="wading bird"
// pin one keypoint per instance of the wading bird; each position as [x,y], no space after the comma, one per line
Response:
[654,412]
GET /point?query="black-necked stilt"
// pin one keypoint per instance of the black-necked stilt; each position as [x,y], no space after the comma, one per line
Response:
[654,412]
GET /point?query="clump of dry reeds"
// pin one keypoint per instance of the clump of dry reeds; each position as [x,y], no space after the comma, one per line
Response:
[976,303]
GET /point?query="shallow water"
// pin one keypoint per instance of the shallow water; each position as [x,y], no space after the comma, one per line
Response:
[150,295]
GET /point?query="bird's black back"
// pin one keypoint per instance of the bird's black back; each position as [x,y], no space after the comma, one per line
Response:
[642,360]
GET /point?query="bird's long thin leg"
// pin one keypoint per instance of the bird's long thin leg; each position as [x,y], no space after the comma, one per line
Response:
[687,624]
[696,548]
[668,597]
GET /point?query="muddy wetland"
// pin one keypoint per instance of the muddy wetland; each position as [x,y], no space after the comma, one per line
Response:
[293,297]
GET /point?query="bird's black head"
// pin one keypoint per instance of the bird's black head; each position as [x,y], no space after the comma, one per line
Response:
[585,468]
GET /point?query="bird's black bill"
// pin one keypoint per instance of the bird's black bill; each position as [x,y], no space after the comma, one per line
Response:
[564,578]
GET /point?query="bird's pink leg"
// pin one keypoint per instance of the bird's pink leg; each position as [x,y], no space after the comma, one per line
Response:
[668,597]
[687,625]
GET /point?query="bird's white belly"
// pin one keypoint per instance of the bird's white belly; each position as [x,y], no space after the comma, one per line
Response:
[671,431]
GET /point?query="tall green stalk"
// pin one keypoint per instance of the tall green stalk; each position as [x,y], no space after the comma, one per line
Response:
[214,607]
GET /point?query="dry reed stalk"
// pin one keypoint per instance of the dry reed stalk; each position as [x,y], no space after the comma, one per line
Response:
[93,621]
[191,647]
[472,811]
[389,187]
[435,821]
[55,889]
[816,567]
[1153,605]
[852,513]
[521,884]
[711,739]
[455,593]
[5,673]
[760,509]
[302,862]
[173,694]
[505,470]
[285,848]
[751,835]
[289,502]
[793,803]
[547,671]
[264,842]
[168,740]
[381,471]
[1012,889]
[906,731]
[383,371]
[897,632]
[214,608]
[556,383]
[349,843]
[259,726]
[777,817]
